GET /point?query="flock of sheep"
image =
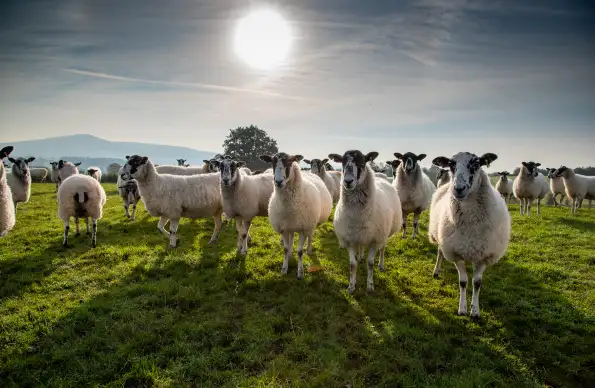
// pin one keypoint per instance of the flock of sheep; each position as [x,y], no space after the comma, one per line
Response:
[469,218]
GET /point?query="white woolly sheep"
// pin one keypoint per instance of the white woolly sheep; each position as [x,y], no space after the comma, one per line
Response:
[20,180]
[129,192]
[469,222]
[80,196]
[7,209]
[244,197]
[381,175]
[557,187]
[172,197]
[504,186]
[94,172]
[414,187]
[55,174]
[38,174]
[66,169]
[442,177]
[528,186]
[578,187]
[367,214]
[330,178]
[299,203]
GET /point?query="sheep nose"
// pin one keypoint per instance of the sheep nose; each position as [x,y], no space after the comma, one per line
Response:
[459,190]
[348,181]
[278,183]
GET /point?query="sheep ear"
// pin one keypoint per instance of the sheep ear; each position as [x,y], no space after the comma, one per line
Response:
[30,159]
[77,164]
[421,156]
[395,162]
[127,157]
[487,159]
[206,161]
[256,172]
[371,156]
[144,160]
[324,161]
[297,158]
[60,164]
[265,158]
[442,161]
[240,163]
[336,158]
[307,161]
[537,164]
[214,161]
[4,152]
[525,164]
[398,155]
[12,160]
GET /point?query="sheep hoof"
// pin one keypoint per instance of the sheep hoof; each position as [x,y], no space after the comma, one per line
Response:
[435,275]
[382,268]
[212,242]
[88,233]
[309,252]
[475,315]
[370,288]
[300,276]
[284,270]
[462,313]
[93,244]
[351,288]
[65,245]
[77,234]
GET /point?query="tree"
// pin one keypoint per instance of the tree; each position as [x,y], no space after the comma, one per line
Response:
[249,143]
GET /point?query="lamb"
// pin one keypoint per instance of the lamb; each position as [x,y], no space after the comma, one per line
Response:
[80,196]
[172,197]
[244,197]
[504,186]
[94,172]
[129,192]
[442,177]
[66,169]
[299,203]
[528,186]
[469,222]
[38,173]
[368,213]
[55,176]
[330,178]
[414,187]
[557,186]
[578,187]
[7,208]
[20,180]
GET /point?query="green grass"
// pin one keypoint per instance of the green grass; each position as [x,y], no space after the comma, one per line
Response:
[134,313]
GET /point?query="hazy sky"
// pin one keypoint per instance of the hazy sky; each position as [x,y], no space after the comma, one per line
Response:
[506,76]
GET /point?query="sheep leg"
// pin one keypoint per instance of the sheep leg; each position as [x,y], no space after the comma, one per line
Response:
[382,259]
[87,223]
[463,284]
[403,224]
[416,217]
[440,257]
[66,228]
[557,204]
[173,228]
[126,205]
[581,201]
[217,220]
[538,211]
[528,206]
[244,237]
[281,240]
[77,234]
[239,231]
[370,269]
[522,206]
[478,270]
[134,210]
[300,251]
[288,245]
[360,256]
[353,268]
[160,226]
[94,233]
[309,244]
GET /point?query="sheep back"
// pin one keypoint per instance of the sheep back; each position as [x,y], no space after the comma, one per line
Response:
[414,194]
[249,197]
[69,204]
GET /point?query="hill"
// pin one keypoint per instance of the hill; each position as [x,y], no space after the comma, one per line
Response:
[91,150]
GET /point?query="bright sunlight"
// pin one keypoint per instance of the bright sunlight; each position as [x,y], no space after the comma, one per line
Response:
[262,39]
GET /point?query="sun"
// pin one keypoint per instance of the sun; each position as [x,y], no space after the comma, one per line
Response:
[262,39]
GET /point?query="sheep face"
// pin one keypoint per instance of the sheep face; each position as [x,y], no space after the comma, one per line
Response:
[4,152]
[228,169]
[551,172]
[91,171]
[20,166]
[54,165]
[317,166]
[214,164]
[562,171]
[409,161]
[465,168]
[282,167]
[441,172]
[530,169]
[181,162]
[135,167]
[353,164]
[503,176]
[394,165]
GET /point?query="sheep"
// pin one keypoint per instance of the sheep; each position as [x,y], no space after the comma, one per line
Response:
[469,222]
[299,203]
[368,213]
[181,162]
[94,172]
[442,177]
[38,173]
[172,197]
[182,169]
[557,186]
[66,169]
[244,197]
[19,180]
[80,196]
[528,186]
[55,176]
[7,209]
[577,187]
[330,178]
[414,187]
[504,186]
[129,192]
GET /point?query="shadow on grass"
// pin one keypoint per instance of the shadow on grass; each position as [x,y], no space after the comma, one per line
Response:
[580,225]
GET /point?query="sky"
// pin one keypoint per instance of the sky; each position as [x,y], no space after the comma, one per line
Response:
[511,77]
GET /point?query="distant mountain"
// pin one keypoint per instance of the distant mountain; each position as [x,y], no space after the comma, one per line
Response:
[94,151]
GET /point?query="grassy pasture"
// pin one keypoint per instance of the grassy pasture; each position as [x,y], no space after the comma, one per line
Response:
[134,313]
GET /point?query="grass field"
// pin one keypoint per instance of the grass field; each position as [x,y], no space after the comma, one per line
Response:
[134,313]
